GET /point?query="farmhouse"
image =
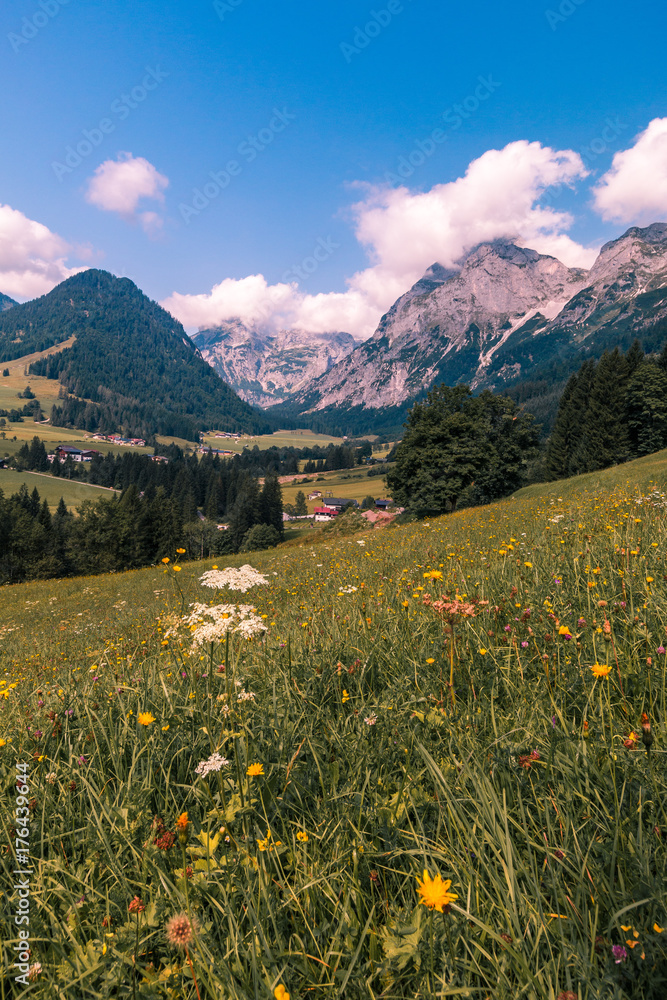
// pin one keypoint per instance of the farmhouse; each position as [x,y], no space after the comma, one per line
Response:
[337,503]
[76,454]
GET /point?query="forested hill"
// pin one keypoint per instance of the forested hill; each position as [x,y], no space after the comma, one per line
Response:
[131,358]
[6,302]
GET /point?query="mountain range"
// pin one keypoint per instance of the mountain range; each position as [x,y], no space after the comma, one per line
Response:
[269,369]
[131,366]
[505,318]
[507,314]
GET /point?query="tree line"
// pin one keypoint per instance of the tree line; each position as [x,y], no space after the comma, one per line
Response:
[128,531]
[611,411]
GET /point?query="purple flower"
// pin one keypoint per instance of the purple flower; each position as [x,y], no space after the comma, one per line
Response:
[40,703]
[38,733]
[660,649]
[183,673]
[581,621]
[96,678]
[621,604]
[69,711]
[553,721]
[557,580]
[81,760]
[619,953]
[524,644]
[508,628]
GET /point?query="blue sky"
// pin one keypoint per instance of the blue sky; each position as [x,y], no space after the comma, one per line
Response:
[332,99]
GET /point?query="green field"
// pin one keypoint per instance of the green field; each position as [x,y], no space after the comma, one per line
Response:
[353,484]
[50,488]
[480,697]
[279,439]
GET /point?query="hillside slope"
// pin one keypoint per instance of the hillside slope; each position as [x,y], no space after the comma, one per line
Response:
[131,358]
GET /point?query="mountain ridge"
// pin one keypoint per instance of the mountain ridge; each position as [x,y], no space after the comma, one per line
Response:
[131,361]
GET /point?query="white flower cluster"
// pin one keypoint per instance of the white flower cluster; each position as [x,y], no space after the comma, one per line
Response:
[347,590]
[244,695]
[234,579]
[654,499]
[212,624]
[52,777]
[214,763]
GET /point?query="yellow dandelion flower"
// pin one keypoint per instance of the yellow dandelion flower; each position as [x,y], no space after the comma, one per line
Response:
[435,892]
[483,651]
[528,565]
[280,993]
[182,821]
[166,560]
[430,659]
[601,669]
[255,769]
[302,836]
[145,718]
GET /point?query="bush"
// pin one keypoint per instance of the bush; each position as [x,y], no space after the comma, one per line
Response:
[260,536]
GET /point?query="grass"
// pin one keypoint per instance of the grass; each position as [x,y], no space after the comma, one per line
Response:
[51,489]
[353,484]
[279,439]
[395,735]
[45,389]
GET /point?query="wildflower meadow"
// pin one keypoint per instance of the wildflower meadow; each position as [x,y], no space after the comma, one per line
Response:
[421,761]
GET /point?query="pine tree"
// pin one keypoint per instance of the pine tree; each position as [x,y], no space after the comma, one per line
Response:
[300,504]
[634,357]
[271,505]
[647,408]
[559,448]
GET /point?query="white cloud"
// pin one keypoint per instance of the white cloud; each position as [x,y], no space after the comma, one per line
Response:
[403,233]
[119,185]
[32,258]
[634,189]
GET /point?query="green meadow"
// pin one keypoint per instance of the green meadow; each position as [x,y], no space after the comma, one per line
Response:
[435,769]
[51,489]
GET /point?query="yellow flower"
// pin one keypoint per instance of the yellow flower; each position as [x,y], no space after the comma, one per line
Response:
[346,696]
[406,604]
[600,669]
[564,630]
[434,574]
[166,560]
[435,893]
[3,743]
[658,929]
[165,728]
[649,579]
[430,659]
[303,837]
[176,569]
[528,565]
[145,718]
[255,769]
[280,993]
[181,551]
[483,651]
[182,822]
